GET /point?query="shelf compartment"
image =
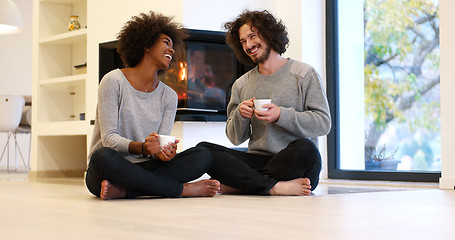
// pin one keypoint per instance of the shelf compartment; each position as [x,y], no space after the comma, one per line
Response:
[61,154]
[54,16]
[61,100]
[58,60]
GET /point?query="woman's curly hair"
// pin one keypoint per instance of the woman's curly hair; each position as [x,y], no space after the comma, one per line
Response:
[142,31]
[270,30]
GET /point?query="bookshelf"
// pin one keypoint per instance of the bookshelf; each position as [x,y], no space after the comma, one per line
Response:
[59,90]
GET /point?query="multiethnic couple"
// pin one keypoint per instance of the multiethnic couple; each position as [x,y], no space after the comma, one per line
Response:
[135,107]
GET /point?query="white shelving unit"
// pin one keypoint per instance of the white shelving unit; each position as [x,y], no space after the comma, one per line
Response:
[59,92]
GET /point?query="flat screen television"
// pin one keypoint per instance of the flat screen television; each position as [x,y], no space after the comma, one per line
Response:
[202,78]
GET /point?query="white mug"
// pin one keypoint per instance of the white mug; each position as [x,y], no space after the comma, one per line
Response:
[165,140]
[259,102]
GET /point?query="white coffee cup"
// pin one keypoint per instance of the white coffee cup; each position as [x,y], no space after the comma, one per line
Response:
[165,140]
[259,102]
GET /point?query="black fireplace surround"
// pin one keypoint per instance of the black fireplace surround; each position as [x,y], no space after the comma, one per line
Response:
[202,76]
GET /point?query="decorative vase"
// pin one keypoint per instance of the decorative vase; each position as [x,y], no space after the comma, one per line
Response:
[74,23]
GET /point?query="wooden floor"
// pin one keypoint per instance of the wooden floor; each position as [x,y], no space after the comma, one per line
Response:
[64,209]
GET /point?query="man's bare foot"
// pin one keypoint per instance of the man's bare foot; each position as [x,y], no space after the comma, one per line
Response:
[202,188]
[111,191]
[296,187]
[224,189]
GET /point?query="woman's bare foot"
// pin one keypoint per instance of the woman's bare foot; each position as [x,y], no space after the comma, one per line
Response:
[224,189]
[202,188]
[111,191]
[296,187]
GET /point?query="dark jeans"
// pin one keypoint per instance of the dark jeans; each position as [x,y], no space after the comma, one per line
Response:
[150,178]
[257,174]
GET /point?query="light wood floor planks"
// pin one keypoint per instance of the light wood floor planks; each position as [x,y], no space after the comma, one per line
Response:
[64,209]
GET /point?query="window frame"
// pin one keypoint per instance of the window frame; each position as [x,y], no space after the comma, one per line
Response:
[333,145]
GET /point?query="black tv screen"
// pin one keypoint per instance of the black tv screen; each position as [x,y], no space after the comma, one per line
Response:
[202,77]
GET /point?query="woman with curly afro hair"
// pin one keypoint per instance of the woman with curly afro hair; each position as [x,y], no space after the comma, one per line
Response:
[134,108]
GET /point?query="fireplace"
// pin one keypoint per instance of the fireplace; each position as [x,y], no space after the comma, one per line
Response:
[202,78]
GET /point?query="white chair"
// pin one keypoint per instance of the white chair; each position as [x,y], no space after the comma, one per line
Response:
[25,127]
[11,110]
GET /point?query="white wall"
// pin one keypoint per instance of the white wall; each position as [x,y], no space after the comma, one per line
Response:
[312,39]
[447,70]
[211,15]
[15,57]
[16,69]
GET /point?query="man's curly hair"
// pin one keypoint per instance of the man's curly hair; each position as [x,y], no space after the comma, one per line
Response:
[270,30]
[142,31]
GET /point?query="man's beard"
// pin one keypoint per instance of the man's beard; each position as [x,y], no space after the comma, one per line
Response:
[263,57]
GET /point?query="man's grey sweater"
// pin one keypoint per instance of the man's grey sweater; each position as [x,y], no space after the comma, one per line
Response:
[304,111]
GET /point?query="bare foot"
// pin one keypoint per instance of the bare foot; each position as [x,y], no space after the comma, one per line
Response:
[296,187]
[202,188]
[111,191]
[224,189]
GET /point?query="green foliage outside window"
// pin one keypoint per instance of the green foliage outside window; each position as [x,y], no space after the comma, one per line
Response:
[402,71]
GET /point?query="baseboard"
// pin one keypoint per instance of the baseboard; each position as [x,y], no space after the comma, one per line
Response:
[57,174]
[447,183]
[378,183]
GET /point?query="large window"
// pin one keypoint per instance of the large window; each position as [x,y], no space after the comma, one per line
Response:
[383,88]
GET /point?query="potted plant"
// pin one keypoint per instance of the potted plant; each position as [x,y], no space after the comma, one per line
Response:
[380,160]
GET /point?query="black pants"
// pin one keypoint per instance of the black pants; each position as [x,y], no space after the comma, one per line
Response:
[257,174]
[150,178]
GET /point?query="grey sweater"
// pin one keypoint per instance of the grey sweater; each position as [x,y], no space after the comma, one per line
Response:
[125,114]
[304,112]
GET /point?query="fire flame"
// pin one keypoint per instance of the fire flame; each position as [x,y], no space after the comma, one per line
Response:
[182,71]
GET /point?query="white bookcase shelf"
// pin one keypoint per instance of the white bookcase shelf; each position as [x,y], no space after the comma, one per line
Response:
[68,38]
[64,128]
[69,80]
[59,91]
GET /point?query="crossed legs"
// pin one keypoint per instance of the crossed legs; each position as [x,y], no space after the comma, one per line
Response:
[112,176]
[293,171]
